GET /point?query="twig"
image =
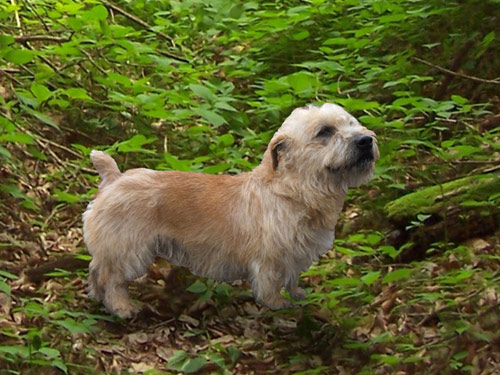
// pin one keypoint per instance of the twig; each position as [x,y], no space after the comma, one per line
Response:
[35,13]
[53,67]
[92,61]
[12,70]
[68,263]
[45,38]
[147,26]
[457,62]
[45,141]
[440,309]
[52,143]
[462,75]
[18,20]
[12,78]
[137,20]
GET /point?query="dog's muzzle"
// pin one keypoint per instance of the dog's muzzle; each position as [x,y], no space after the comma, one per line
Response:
[364,147]
[361,155]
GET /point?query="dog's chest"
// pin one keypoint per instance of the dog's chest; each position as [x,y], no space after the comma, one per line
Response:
[315,243]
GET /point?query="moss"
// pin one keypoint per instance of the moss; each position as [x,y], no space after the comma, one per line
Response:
[432,199]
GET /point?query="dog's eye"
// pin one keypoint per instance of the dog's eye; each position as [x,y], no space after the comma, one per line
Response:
[325,131]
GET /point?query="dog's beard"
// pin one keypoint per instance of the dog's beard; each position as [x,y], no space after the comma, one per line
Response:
[356,161]
[356,170]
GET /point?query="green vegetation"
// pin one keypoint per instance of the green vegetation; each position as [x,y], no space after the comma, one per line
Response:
[201,86]
[468,192]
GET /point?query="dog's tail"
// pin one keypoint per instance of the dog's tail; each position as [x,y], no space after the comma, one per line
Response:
[106,167]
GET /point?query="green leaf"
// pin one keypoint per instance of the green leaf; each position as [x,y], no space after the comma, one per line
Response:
[50,352]
[345,281]
[459,99]
[73,326]
[301,35]
[62,196]
[197,287]
[19,56]
[98,13]
[6,40]
[176,361]
[461,326]
[203,92]
[302,81]
[77,93]
[61,103]
[335,41]
[5,153]
[22,138]
[370,277]
[8,275]
[7,124]
[179,165]
[120,78]
[4,287]
[225,106]
[390,251]
[40,116]
[234,354]
[11,349]
[193,365]
[396,275]
[157,113]
[41,92]
[456,277]
[218,168]
[388,359]
[352,104]
[226,139]
[60,365]
[212,117]
[135,144]
[462,151]
[33,309]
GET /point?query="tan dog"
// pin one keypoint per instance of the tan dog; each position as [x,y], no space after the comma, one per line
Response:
[265,226]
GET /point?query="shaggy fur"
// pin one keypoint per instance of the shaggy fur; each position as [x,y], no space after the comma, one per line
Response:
[265,226]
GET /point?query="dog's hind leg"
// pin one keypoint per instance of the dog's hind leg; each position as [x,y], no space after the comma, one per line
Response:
[267,281]
[110,274]
[116,297]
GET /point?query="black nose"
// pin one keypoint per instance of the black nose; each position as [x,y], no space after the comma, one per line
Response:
[363,142]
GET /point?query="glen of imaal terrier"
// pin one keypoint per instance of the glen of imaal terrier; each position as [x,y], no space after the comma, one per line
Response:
[265,226]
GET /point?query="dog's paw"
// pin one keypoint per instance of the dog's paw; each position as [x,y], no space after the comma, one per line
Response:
[278,303]
[125,310]
[298,294]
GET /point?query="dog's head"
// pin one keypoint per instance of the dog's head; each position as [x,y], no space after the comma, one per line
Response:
[325,145]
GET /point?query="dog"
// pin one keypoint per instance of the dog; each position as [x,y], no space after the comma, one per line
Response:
[265,226]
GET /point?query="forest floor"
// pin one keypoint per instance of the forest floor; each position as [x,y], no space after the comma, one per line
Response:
[362,315]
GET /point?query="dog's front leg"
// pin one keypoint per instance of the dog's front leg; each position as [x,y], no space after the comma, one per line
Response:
[267,279]
[295,291]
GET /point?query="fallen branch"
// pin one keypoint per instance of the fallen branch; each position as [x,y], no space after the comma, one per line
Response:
[462,75]
[67,263]
[147,26]
[12,78]
[43,38]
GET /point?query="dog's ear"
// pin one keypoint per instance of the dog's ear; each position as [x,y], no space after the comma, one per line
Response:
[277,147]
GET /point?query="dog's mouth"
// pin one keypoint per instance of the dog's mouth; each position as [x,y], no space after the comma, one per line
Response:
[364,161]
